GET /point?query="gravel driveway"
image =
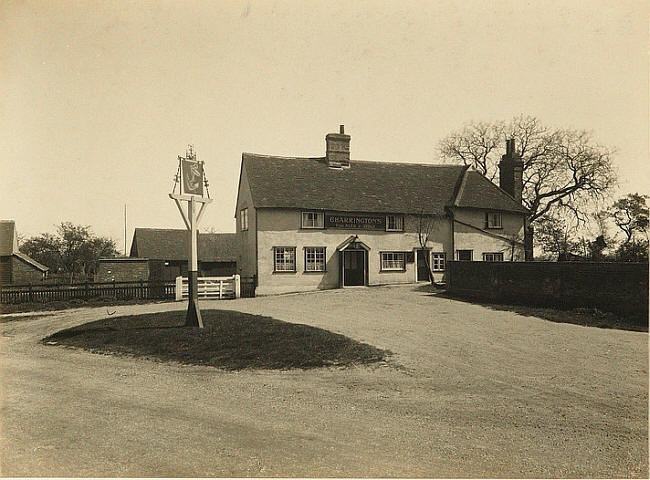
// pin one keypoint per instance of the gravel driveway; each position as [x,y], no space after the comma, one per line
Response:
[470,392]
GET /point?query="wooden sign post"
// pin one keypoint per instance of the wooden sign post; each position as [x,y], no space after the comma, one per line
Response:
[191,177]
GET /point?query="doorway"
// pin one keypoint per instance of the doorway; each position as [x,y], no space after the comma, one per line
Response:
[354,268]
[422,269]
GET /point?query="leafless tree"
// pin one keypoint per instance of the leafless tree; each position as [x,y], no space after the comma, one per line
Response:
[564,169]
[426,226]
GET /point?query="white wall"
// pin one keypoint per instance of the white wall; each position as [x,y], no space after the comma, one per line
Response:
[278,227]
[490,240]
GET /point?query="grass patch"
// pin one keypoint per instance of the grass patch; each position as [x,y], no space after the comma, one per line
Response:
[21,318]
[230,340]
[73,303]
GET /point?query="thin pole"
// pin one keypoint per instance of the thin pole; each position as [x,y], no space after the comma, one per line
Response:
[125,230]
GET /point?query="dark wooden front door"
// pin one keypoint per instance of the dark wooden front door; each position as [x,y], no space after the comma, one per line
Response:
[423,270]
[354,268]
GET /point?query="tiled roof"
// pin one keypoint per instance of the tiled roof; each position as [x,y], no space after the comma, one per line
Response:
[476,191]
[172,244]
[380,187]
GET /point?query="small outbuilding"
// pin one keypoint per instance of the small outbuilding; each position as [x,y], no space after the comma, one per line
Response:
[16,268]
[161,254]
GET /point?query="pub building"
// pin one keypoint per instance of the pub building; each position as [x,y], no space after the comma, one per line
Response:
[331,222]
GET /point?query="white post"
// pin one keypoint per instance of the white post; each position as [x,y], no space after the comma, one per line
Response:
[179,288]
[220,289]
[237,286]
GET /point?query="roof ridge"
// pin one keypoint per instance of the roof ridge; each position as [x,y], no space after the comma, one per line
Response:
[381,162]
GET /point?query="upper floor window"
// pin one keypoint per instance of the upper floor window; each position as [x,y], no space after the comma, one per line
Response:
[464,255]
[394,223]
[493,257]
[493,220]
[284,259]
[393,261]
[438,262]
[243,219]
[313,220]
[314,259]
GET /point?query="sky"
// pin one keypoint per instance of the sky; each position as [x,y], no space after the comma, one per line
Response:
[98,99]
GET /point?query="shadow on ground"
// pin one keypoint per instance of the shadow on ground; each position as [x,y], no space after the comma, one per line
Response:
[588,317]
[230,340]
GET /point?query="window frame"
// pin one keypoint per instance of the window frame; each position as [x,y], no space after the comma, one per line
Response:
[243,219]
[485,254]
[275,262]
[324,269]
[396,217]
[489,218]
[392,269]
[443,256]
[471,255]
[312,212]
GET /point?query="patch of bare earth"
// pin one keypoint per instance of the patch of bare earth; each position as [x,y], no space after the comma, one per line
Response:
[480,393]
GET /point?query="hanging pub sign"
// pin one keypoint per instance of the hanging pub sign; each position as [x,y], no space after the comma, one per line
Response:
[191,177]
[355,221]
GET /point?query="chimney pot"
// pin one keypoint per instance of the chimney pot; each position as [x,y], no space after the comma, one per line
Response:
[342,129]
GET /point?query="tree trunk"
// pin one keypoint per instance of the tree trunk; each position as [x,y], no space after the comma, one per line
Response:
[528,242]
[427,263]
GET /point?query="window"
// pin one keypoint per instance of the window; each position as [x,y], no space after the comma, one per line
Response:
[312,219]
[438,262]
[243,219]
[393,261]
[284,259]
[394,223]
[493,257]
[464,255]
[314,259]
[493,220]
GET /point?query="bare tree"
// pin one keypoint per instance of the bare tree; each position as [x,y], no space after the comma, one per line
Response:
[630,214]
[564,170]
[426,227]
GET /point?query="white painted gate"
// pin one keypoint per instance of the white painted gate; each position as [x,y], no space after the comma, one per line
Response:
[211,288]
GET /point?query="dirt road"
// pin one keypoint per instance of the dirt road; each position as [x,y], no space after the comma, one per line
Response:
[470,392]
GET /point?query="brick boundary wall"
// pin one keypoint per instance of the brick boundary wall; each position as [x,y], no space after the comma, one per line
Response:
[621,288]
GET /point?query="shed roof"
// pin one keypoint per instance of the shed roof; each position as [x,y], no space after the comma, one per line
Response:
[172,244]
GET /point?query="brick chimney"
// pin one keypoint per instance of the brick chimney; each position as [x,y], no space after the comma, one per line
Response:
[511,169]
[338,149]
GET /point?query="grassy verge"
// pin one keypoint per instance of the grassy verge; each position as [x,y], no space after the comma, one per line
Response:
[230,340]
[74,303]
[588,317]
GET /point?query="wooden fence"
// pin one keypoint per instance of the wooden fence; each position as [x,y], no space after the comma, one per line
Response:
[42,293]
[145,290]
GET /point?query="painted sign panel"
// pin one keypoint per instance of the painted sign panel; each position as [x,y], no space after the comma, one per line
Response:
[355,221]
[192,177]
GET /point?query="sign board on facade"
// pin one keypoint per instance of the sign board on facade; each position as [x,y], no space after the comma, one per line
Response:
[355,221]
[192,178]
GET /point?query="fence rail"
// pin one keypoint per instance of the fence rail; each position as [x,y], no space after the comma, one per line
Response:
[43,293]
[217,288]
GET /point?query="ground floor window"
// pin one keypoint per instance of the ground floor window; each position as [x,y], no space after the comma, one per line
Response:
[284,259]
[438,262]
[464,255]
[314,259]
[493,257]
[393,261]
